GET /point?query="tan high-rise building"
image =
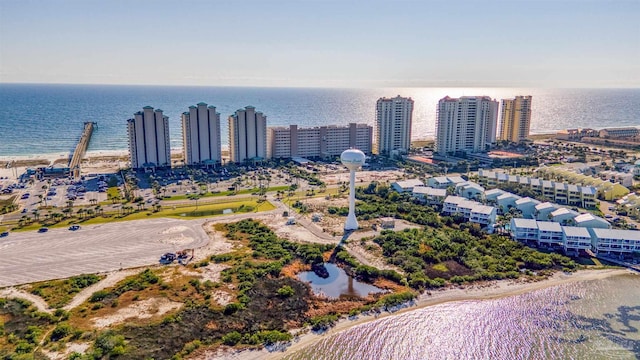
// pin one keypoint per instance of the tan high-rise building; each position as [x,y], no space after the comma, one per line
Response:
[516,118]
[247,135]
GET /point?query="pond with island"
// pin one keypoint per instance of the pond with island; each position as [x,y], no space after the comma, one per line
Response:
[336,282]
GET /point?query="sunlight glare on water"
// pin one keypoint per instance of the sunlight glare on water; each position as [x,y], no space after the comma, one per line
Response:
[585,320]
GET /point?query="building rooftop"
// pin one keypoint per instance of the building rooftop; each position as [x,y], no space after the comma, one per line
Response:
[549,226]
[576,231]
[452,199]
[525,223]
[588,217]
[456,179]
[508,195]
[546,205]
[406,184]
[563,211]
[426,190]
[588,190]
[494,192]
[616,234]
[527,200]
[483,209]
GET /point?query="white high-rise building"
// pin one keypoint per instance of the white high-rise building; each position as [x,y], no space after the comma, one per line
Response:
[321,141]
[393,125]
[201,134]
[149,145]
[247,135]
[467,124]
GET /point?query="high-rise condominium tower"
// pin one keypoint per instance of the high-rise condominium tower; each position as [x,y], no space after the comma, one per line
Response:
[393,125]
[247,135]
[149,139]
[516,118]
[467,124]
[201,134]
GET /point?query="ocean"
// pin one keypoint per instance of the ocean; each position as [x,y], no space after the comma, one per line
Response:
[597,319]
[47,119]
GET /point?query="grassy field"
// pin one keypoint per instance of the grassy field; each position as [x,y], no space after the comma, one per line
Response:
[178,212]
[228,193]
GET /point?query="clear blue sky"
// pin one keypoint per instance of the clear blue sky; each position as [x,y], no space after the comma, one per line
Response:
[342,43]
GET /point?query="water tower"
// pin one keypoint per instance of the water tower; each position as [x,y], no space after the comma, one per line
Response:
[352,159]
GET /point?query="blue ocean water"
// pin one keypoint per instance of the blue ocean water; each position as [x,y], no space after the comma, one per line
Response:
[42,119]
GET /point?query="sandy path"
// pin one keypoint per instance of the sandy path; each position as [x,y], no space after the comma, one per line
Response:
[111,279]
[36,300]
[492,290]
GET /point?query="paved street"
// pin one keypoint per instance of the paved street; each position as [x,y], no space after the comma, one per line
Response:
[31,256]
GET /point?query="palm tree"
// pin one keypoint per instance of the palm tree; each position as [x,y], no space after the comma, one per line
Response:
[36,214]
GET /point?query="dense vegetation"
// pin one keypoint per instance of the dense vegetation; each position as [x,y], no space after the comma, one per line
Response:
[267,304]
[377,200]
[430,257]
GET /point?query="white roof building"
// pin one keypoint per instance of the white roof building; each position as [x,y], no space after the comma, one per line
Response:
[563,215]
[591,221]
[406,185]
[576,238]
[550,233]
[527,206]
[615,241]
[492,195]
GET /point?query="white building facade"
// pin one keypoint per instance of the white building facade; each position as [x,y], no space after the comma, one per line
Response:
[467,124]
[247,135]
[322,141]
[149,145]
[201,135]
[393,125]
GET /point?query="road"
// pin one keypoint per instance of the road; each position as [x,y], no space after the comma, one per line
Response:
[59,253]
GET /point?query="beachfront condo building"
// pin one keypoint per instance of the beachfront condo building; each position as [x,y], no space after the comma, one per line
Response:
[393,125]
[201,135]
[149,145]
[247,135]
[465,125]
[516,119]
[321,141]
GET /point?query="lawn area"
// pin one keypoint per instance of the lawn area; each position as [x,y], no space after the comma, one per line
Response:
[228,193]
[243,206]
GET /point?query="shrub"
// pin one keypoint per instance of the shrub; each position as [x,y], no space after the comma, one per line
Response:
[61,331]
[99,295]
[286,291]
[232,338]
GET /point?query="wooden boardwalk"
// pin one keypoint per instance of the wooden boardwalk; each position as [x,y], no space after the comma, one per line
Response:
[81,149]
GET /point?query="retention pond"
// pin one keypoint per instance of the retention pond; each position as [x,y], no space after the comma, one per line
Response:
[337,283]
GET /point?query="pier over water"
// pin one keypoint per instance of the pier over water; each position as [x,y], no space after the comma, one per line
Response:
[81,148]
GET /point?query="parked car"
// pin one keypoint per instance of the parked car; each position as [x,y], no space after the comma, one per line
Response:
[4,234]
[74,227]
[43,229]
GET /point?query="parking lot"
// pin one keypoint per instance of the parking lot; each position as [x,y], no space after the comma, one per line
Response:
[60,253]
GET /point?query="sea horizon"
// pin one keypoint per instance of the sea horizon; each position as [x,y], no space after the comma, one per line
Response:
[54,113]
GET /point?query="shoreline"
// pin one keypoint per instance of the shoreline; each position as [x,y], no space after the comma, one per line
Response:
[489,291]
